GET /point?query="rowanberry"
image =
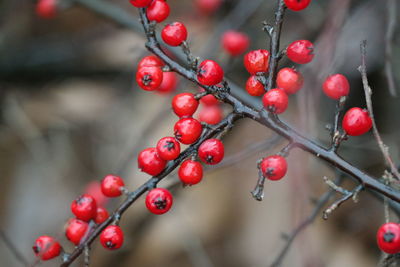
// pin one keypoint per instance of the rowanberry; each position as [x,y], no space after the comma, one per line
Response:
[76,230]
[159,201]
[211,151]
[169,82]
[140,3]
[46,247]
[174,34]
[101,215]
[210,73]
[187,130]
[84,207]
[297,5]
[112,237]
[275,101]
[94,189]
[149,78]
[235,43]
[190,172]
[111,185]
[388,238]
[300,51]
[208,100]
[274,167]
[208,6]
[158,11]
[336,86]
[184,104]
[46,9]
[256,61]
[254,87]
[356,122]
[211,114]
[150,61]
[289,80]
[150,162]
[168,148]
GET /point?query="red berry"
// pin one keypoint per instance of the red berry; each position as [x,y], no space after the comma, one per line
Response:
[150,162]
[46,9]
[101,215]
[211,114]
[187,130]
[208,100]
[46,247]
[210,73]
[289,80]
[150,61]
[112,237]
[235,43]
[168,148]
[84,207]
[158,10]
[169,82]
[297,5]
[159,201]
[111,185]
[274,167]
[256,61]
[254,87]
[190,172]
[208,6]
[174,34]
[94,189]
[76,230]
[301,51]
[276,101]
[336,86]
[184,104]
[211,151]
[356,122]
[140,3]
[388,238]
[149,78]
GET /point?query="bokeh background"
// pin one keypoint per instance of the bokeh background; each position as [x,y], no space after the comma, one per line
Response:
[71,112]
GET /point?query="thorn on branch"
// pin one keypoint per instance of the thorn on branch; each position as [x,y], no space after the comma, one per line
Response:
[268,28]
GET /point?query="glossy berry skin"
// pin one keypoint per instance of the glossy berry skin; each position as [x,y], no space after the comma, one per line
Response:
[46,247]
[208,6]
[76,230]
[187,130]
[101,215]
[150,162]
[336,86]
[150,61]
[112,237]
[301,51]
[174,34]
[297,5]
[190,172]
[274,167]
[254,87]
[256,61]
[388,238]
[46,9]
[289,80]
[275,101]
[84,207]
[158,11]
[235,43]
[211,114]
[159,201]
[169,83]
[184,104]
[168,148]
[111,185]
[140,3]
[211,151]
[149,78]
[210,73]
[356,122]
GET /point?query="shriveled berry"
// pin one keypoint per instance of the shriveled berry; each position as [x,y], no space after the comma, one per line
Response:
[254,87]
[256,61]
[46,247]
[211,151]
[297,5]
[275,100]
[150,61]
[388,238]
[140,3]
[336,86]
[76,230]
[150,162]
[101,215]
[210,73]
[46,9]
[184,104]
[169,82]
[356,122]
[187,130]
[174,34]
[274,167]
[208,6]
[112,185]
[112,237]
[84,207]
[301,51]
[158,11]
[149,78]
[159,201]
[289,80]
[190,172]
[168,148]
[211,114]
[235,43]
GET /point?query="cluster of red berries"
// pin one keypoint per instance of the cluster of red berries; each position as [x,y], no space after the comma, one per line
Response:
[388,238]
